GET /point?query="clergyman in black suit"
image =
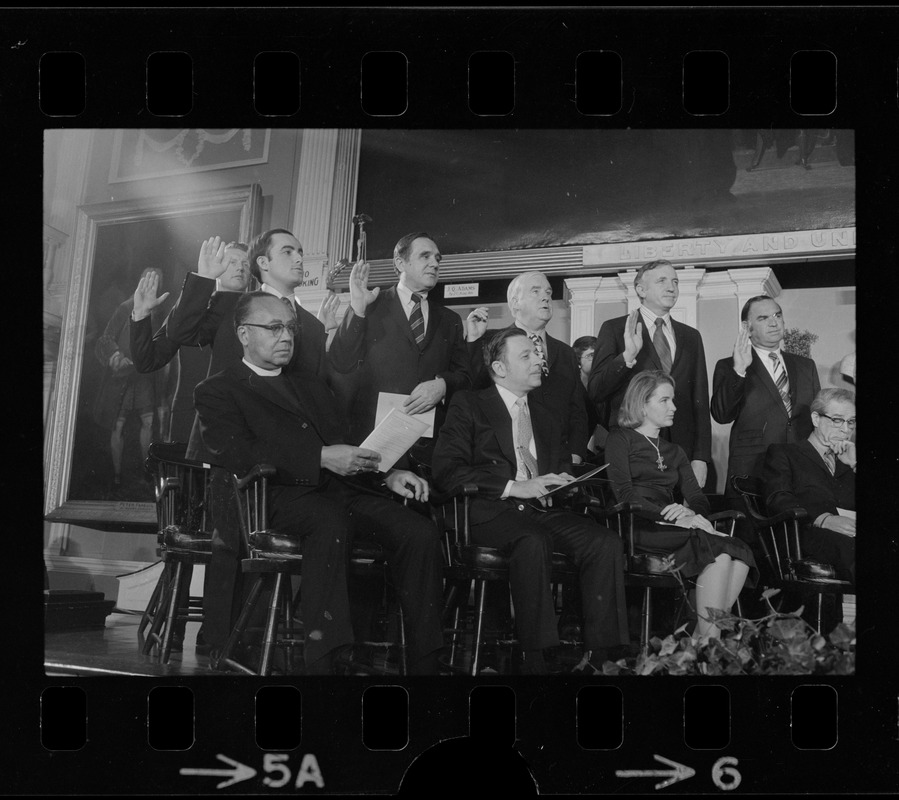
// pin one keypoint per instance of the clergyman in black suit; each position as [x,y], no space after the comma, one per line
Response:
[511,447]
[818,474]
[255,412]
[529,297]
[647,339]
[763,390]
[398,341]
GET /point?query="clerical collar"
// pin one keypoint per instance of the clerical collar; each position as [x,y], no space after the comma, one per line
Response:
[265,373]
[272,290]
[405,293]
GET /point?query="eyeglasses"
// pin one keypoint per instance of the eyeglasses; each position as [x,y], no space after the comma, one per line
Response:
[839,422]
[276,328]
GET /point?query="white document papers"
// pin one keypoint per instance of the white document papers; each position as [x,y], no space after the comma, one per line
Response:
[846,512]
[388,401]
[393,437]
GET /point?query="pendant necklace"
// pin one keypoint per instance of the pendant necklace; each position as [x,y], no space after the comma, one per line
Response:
[661,464]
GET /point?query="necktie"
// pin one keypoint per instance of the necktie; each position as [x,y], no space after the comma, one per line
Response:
[781,381]
[417,320]
[525,434]
[829,460]
[660,342]
[538,346]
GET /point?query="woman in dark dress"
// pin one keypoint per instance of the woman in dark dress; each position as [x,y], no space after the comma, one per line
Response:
[644,468]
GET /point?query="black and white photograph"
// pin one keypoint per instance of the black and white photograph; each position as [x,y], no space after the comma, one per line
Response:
[717,266]
[453,399]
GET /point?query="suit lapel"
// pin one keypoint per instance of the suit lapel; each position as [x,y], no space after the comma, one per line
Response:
[808,450]
[542,427]
[498,415]
[552,350]
[792,367]
[678,333]
[398,314]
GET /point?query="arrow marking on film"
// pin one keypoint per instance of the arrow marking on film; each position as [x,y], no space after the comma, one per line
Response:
[239,772]
[680,772]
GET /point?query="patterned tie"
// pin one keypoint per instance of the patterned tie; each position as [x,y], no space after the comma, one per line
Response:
[782,382]
[660,342]
[829,460]
[538,346]
[417,320]
[525,434]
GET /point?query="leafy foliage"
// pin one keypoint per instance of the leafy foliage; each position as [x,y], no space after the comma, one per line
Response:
[798,342]
[776,644]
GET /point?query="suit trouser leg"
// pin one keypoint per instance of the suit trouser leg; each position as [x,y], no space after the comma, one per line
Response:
[324,528]
[222,590]
[528,544]
[599,557]
[415,558]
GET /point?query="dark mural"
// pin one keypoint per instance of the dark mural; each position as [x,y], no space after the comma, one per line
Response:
[481,190]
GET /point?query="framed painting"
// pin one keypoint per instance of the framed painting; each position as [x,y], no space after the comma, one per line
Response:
[103,414]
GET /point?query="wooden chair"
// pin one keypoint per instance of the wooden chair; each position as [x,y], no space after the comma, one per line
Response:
[649,571]
[184,538]
[272,559]
[784,566]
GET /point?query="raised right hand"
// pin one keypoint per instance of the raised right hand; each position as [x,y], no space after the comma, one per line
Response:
[361,297]
[476,324]
[211,261]
[345,459]
[633,335]
[145,299]
[742,349]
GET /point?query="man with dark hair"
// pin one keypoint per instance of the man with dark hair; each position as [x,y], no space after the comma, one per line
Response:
[399,341]
[763,390]
[510,445]
[257,411]
[818,474]
[529,297]
[649,338]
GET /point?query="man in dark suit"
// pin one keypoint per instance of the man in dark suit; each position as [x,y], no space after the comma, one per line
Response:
[818,474]
[204,316]
[256,411]
[529,297]
[648,338]
[765,392]
[511,447]
[398,341]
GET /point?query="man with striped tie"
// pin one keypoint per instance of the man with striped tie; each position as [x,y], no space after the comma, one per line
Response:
[650,338]
[764,391]
[399,341]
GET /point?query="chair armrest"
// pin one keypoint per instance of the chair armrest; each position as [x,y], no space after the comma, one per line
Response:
[729,514]
[783,516]
[255,474]
[465,490]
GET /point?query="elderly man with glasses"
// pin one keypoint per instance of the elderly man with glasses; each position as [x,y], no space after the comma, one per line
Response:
[324,492]
[818,474]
